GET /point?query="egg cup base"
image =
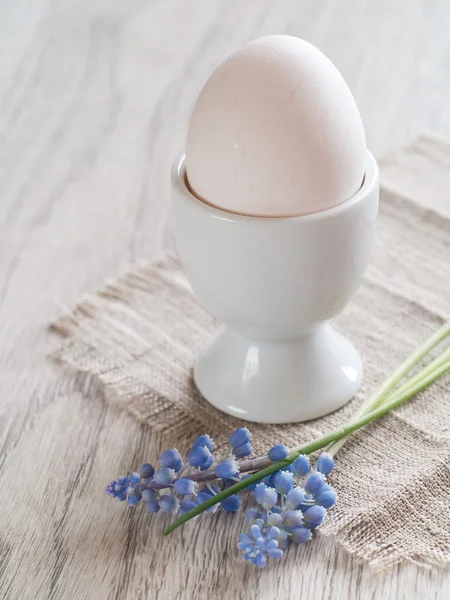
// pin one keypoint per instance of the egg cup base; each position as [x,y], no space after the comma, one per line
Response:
[279,382]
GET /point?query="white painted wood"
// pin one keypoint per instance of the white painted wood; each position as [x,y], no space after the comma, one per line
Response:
[94,97]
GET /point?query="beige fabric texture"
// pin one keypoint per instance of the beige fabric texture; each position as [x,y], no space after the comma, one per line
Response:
[141,334]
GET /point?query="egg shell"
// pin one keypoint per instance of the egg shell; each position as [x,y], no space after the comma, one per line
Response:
[275,132]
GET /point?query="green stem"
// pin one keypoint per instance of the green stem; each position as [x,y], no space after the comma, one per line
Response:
[314,445]
[389,384]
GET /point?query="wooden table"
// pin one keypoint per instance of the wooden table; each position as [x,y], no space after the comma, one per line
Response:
[95,97]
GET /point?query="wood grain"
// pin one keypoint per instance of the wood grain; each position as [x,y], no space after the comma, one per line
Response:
[95,97]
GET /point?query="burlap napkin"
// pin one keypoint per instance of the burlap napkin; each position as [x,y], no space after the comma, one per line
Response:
[141,334]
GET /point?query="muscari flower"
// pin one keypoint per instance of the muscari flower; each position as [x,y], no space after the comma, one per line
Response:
[262,541]
[278,452]
[293,501]
[171,459]
[199,456]
[203,440]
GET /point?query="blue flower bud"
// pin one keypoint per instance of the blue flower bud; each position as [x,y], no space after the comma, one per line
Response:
[300,535]
[325,463]
[171,459]
[186,506]
[227,468]
[295,497]
[259,492]
[278,452]
[269,498]
[133,499]
[314,516]
[202,497]
[326,497]
[123,480]
[251,515]
[284,482]
[272,534]
[149,495]
[152,507]
[203,440]
[134,478]
[208,463]
[147,471]
[243,450]
[165,476]
[274,520]
[293,518]
[239,437]
[185,486]
[231,504]
[169,503]
[121,496]
[301,465]
[198,456]
[314,482]
[275,553]
[255,531]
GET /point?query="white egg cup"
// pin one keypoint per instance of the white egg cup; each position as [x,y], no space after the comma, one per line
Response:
[275,283]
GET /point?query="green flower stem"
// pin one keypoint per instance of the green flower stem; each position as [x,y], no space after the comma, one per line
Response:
[383,393]
[317,444]
[435,364]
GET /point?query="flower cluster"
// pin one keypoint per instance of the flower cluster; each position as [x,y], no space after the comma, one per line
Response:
[291,502]
[177,485]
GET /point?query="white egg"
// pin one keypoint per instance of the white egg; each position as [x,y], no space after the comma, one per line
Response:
[275,132]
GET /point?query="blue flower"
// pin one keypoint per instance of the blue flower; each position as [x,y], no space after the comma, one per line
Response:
[209,461]
[274,519]
[152,507]
[283,482]
[203,440]
[314,516]
[115,490]
[260,544]
[169,503]
[202,497]
[265,496]
[260,488]
[326,497]
[300,535]
[314,482]
[150,495]
[240,437]
[186,506]
[185,486]
[226,469]
[171,459]
[295,497]
[134,497]
[278,452]
[134,478]
[293,518]
[301,465]
[165,476]
[198,456]
[147,471]
[231,504]
[325,463]
[243,450]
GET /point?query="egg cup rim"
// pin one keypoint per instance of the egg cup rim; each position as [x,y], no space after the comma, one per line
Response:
[180,183]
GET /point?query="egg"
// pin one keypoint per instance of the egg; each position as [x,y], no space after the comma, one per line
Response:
[275,132]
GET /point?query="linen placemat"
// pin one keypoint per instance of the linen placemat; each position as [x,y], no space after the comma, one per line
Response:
[140,336]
